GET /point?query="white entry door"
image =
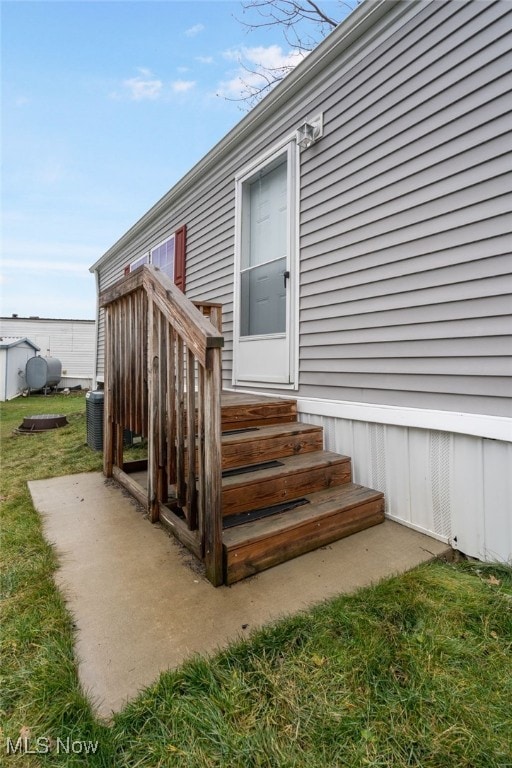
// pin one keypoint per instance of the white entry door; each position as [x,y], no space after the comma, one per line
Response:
[263,349]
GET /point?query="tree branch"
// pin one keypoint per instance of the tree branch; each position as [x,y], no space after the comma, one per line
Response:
[304,24]
[322,15]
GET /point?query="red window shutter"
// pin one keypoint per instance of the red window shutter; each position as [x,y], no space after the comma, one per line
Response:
[127,269]
[180,245]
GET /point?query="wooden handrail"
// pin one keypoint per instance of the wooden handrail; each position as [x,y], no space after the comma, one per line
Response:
[163,380]
[194,327]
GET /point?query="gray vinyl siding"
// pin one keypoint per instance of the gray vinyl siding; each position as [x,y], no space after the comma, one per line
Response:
[405,272]
[405,222]
[208,209]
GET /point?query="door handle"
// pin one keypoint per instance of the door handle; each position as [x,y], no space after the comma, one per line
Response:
[286,276]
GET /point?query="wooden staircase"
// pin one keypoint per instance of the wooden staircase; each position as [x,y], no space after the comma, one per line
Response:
[235,477]
[282,494]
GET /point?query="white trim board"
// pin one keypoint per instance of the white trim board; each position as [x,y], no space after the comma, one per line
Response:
[479,425]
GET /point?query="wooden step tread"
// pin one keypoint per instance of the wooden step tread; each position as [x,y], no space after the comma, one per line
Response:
[289,464]
[268,431]
[236,399]
[267,442]
[294,477]
[245,412]
[322,504]
[331,515]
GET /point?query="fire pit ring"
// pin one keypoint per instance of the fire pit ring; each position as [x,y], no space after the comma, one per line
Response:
[41,423]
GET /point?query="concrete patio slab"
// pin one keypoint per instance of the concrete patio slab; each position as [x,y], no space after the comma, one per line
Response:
[141,604]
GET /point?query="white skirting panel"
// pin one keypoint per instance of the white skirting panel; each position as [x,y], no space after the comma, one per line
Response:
[455,487]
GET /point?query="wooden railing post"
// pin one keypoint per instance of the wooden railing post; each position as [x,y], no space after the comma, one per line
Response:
[162,485]
[191,442]
[212,471]
[171,399]
[108,417]
[180,424]
[216,316]
[152,342]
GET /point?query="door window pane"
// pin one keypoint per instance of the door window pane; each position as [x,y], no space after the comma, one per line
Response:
[263,299]
[266,200]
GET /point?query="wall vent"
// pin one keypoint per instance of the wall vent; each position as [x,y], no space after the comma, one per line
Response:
[440,478]
[377,456]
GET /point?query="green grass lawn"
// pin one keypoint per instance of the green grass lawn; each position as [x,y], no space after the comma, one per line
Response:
[416,671]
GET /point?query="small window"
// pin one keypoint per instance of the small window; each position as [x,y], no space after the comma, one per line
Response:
[168,256]
[139,262]
[163,256]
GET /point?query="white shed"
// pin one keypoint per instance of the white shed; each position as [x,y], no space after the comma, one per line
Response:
[14,353]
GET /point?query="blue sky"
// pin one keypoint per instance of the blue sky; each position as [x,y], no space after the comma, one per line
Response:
[105,105]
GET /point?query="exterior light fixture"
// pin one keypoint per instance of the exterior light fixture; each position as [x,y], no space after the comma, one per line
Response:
[309,132]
